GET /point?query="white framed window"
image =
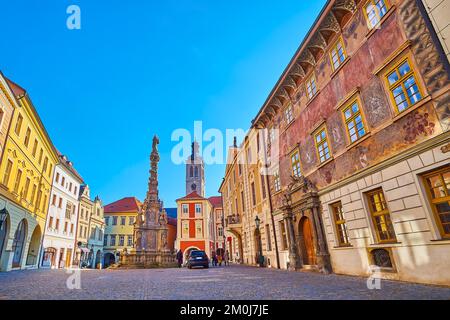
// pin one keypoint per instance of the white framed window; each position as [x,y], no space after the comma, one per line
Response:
[337,54]
[289,114]
[374,10]
[311,87]
[113,240]
[198,209]
[272,134]
[185,209]
[185,229]
[199,229]
[276,181]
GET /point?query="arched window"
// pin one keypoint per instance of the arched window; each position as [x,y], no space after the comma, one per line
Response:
[196,172]
[18,243]
[3,229]
[191,172]
[381,258]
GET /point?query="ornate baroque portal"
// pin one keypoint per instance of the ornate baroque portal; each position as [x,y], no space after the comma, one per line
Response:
[150,231]
[301,212]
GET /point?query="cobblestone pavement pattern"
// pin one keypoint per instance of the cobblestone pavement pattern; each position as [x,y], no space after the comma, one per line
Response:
[225,283]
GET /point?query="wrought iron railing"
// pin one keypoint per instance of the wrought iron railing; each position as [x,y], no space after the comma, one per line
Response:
[233,219]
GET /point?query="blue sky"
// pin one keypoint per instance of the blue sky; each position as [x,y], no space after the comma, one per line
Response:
[142,67]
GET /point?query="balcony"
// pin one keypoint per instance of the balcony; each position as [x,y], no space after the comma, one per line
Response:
[233,223]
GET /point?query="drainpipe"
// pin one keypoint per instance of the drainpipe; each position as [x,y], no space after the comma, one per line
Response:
[269,194]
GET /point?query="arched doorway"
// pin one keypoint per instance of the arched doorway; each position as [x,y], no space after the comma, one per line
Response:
[4,224]
[187,252]
[98,258]
[49,257]
[220,252]
[108,259]
[307,242]
[19,243]
[238,254]
[33,249]
[91,258]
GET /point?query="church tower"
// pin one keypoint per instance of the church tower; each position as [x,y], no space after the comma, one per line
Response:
[195,172]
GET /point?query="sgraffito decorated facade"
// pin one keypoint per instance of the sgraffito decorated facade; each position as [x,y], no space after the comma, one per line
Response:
[362,112]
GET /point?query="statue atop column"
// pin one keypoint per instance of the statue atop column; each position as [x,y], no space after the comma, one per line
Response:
[151,224]
[151,248]
[150,208]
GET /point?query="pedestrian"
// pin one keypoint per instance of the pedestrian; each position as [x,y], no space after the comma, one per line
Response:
[213,258]
[225,258]
[180,258]
[219,259]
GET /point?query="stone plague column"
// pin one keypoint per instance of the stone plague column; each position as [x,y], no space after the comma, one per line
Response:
[151,232]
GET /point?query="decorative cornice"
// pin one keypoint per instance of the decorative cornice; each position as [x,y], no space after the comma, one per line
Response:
[326,22]
[318,41]
[330,23]
[347,5]
[307,57]
[297,71]
[290,83]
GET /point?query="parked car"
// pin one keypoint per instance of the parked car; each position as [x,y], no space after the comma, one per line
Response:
[198,258]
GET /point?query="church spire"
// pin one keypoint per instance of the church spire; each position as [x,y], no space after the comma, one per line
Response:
[195,172]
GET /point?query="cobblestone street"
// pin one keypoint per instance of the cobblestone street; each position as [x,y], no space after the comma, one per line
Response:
[235,282]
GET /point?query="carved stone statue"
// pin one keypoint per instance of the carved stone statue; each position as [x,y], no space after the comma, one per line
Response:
[155,143]
[164,240]
[163,217]
[302,182]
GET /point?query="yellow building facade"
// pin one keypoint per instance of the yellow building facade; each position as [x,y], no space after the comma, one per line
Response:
[120,218]
[26,173]
[7,105]
[246,199]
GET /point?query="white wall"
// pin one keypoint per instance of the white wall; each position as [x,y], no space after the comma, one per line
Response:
[58,238]
[420,255]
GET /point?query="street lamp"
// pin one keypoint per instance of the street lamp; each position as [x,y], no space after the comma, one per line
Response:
[260,255]
[257,222]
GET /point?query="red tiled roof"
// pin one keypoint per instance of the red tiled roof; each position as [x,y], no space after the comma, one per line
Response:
[216,201]
[16,89]
[192,196]
[129,204]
